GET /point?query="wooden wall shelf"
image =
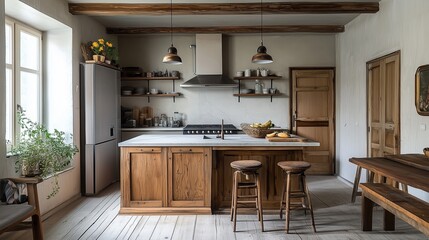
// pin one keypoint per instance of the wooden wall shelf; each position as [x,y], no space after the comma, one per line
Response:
[148,78]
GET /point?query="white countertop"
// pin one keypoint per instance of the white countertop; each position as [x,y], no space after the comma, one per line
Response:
[149,129]
[232,140]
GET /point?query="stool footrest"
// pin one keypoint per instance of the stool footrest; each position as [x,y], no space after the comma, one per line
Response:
[246,201]
[247,196]
[252,185]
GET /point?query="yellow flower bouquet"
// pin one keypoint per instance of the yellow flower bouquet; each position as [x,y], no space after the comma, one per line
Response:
[98,47]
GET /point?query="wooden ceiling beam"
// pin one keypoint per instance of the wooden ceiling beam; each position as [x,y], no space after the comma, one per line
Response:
[120,9]
[232,29]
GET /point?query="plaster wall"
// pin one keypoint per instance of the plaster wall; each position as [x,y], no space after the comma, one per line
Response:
[210,105]
[399,25]
[63,33]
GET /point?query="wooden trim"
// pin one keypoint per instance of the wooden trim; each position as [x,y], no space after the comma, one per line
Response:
[167,210]
[230,29]
[115,9]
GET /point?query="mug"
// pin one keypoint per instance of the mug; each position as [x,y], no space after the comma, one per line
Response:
[273,90]
[247,73]
[264,72]
[265,91]
[239,74]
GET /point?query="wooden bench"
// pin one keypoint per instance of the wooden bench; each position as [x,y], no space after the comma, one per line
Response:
[12,216]
[395,203]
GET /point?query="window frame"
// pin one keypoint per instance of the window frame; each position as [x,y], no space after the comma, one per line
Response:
[18,27]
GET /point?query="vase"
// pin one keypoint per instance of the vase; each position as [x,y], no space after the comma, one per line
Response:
[98,58]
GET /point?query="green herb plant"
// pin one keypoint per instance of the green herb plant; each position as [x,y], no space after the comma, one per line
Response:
[40,152]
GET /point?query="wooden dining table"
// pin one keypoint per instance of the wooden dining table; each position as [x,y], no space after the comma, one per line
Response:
[409,169]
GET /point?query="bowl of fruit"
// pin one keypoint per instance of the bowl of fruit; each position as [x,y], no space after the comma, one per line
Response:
[258,130]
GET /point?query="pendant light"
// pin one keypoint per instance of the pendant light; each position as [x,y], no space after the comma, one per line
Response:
[171,57]
[261,56]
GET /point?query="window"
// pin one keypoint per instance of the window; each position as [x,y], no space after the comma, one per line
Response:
[23,74]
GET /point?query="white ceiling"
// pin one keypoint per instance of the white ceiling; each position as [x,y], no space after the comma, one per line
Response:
[221,20]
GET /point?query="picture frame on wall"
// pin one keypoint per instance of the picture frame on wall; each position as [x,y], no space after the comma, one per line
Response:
[422,90]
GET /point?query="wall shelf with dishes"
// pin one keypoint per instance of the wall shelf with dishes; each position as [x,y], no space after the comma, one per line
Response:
[128,92]
[272,92]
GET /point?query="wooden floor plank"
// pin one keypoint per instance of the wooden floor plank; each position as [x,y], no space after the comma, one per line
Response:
[224,227]
[205,227]
[145,228]
[185,227]
[336,218]
[102,223]
[96,215]
[165,228]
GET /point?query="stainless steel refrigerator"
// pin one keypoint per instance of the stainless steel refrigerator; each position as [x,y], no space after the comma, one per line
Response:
[100,115]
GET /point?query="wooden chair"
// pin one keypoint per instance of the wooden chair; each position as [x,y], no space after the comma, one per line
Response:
[12,216]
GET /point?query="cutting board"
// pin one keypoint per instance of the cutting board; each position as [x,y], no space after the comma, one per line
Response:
[289,139]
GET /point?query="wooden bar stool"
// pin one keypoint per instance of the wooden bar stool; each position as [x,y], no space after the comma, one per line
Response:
[295,168]
[247,168]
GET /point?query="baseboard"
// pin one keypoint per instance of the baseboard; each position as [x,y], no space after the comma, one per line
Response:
[347,182]
[60,207]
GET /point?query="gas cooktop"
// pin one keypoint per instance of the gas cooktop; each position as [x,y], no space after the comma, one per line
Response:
[209,129]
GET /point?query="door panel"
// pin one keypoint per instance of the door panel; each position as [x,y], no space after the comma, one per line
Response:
[383,106]
[307,107]
[313,115]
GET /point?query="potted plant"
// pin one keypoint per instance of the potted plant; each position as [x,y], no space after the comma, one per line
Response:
[111,53]
[98,48]
[40,152]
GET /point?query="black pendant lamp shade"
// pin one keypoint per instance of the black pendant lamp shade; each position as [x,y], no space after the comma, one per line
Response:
[171,57]
[261,56]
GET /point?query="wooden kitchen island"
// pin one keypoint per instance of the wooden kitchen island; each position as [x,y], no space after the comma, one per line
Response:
[191,174]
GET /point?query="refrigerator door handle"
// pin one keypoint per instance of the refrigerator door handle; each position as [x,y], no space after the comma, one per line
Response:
[111,131]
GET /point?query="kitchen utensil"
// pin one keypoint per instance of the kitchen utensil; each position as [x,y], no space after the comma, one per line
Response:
[265,91]
[239,74]
[273,90]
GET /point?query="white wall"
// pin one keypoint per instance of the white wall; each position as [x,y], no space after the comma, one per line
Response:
[210,105]
[62,55]
[399,25]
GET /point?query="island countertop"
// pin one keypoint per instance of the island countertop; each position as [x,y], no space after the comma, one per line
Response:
[232,140]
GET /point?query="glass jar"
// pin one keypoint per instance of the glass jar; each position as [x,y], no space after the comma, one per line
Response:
[258,87]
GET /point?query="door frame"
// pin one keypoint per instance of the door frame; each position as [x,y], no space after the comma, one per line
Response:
[368,143]
[291,69]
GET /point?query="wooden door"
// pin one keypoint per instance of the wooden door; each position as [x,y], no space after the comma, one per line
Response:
[383,105]
[313,111]
[143,177]
[189,177]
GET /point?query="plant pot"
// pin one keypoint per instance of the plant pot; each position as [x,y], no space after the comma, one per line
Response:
[98,58]
[29,170]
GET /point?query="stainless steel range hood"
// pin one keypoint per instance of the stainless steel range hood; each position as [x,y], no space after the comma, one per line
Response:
[209,81]
[208,59]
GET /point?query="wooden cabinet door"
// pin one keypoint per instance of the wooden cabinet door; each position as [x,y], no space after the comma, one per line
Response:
[313,111]
[189,177]
[383,106]
[143,177]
